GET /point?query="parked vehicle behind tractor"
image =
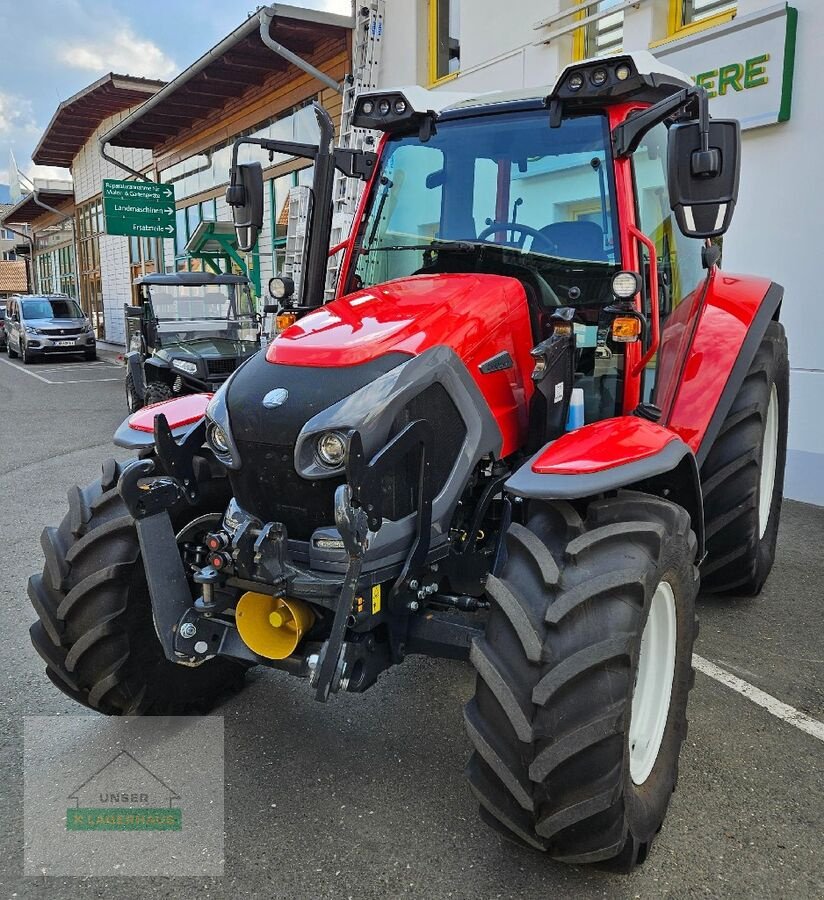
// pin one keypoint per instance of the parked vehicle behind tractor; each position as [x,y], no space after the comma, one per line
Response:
[188,333]
[398,472]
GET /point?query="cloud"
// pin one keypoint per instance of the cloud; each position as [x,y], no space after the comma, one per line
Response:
[16,117]
[122,52]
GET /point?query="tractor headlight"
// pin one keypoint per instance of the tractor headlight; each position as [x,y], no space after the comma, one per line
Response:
[625,285]
[576,81]
[368,107]
[599,77]
[331,449]
[400,106]
[183,365]
[384,107]
[623,72]
[218,440]
[281,287]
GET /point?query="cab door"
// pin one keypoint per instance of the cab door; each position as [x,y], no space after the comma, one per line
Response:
[682,279]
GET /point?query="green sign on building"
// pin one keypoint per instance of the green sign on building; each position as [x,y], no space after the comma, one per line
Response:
[139,208]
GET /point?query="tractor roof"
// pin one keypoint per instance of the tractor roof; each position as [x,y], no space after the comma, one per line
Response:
[191,278]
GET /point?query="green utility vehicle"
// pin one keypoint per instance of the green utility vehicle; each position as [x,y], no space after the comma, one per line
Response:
[188,333]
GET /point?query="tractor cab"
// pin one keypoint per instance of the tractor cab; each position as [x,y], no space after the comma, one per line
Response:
[188,333]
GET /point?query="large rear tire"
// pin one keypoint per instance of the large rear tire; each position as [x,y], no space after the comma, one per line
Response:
[577,721]
[95,629]
[743,475]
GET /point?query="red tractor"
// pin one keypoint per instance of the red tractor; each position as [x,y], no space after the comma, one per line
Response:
[535,418]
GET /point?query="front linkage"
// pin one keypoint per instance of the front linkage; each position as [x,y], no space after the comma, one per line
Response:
[246,555]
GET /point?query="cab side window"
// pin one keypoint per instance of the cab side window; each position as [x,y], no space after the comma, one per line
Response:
[681,275]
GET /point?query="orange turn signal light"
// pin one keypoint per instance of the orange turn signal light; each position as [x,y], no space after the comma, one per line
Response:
[284,320]
[626,329]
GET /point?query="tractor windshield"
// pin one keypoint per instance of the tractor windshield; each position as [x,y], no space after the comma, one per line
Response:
[506,188]
[214,310]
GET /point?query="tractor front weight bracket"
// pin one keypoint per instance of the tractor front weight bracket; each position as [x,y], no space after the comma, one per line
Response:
[149,499]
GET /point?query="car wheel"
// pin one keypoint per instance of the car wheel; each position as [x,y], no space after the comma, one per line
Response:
[24,353]
[12,354]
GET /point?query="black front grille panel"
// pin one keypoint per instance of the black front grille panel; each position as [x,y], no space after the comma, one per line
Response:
[59,332]
[400,487]
[267,486]
[221,366]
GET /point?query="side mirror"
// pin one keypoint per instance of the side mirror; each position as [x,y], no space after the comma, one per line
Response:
[245,196]
[703,184]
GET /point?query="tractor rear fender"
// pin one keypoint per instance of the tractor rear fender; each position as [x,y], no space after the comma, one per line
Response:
[623,452]
[182,413]
[732,324]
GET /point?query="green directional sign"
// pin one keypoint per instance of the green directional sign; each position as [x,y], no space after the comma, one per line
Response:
[139,208]
[135,227]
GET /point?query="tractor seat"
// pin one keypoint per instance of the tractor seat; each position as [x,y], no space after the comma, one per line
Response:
[577,240]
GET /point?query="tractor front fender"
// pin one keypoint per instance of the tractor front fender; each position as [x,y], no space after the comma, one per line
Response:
[182,413]
[623,452]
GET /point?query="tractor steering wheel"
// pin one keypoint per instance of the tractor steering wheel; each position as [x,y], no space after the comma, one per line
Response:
[525,231]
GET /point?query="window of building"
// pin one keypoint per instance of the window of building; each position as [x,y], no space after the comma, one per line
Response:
[693,15]
[206,171]
[602,36]
[444,39]
[89,228]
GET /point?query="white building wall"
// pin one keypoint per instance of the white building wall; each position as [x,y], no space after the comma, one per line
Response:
[88,171]
[779,209]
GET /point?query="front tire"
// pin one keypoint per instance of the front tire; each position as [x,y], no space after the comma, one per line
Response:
[157,392]
[26,354]
[565,759]
[742,477]
[12,354]
[95,630]
[133,402]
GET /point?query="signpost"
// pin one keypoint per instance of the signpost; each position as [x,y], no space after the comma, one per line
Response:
[139,208]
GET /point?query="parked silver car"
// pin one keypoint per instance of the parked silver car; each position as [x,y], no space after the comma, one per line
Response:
[47,323]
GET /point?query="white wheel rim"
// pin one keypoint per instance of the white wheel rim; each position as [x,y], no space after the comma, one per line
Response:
[769,456]
[653,684]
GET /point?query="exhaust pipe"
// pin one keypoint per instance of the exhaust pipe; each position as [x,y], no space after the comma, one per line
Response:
[272,627]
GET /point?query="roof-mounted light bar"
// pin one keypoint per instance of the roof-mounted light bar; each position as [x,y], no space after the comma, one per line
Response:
[402,109]
[633,74]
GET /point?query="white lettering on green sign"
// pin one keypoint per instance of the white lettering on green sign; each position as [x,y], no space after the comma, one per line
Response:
[735,76]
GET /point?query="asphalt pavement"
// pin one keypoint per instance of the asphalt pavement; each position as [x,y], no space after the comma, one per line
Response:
[364,797]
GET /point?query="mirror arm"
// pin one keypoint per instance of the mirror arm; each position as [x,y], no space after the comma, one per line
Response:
[628,135]
[288,148]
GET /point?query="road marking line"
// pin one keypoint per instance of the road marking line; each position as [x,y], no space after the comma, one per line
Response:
[773,705]
[26,371]
[86,381]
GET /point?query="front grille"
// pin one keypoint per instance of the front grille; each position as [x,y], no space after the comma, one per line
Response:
[267,486]
[221,366]
[400,487]
[57,332]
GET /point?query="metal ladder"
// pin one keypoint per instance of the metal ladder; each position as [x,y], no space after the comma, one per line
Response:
[367,44]
[298,219]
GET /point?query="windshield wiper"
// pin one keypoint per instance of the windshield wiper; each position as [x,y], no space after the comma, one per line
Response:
[454,246]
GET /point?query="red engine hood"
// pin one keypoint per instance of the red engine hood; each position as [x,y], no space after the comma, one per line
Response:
[409,315]
[478,316]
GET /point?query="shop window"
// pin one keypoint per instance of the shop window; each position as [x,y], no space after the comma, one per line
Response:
[687,16]
[444,39]
[89,229]
[602,36]
[209,170]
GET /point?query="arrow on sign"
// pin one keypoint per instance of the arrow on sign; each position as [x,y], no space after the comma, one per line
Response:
[168,192]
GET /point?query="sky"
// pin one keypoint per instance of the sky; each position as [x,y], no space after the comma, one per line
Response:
[51,49]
